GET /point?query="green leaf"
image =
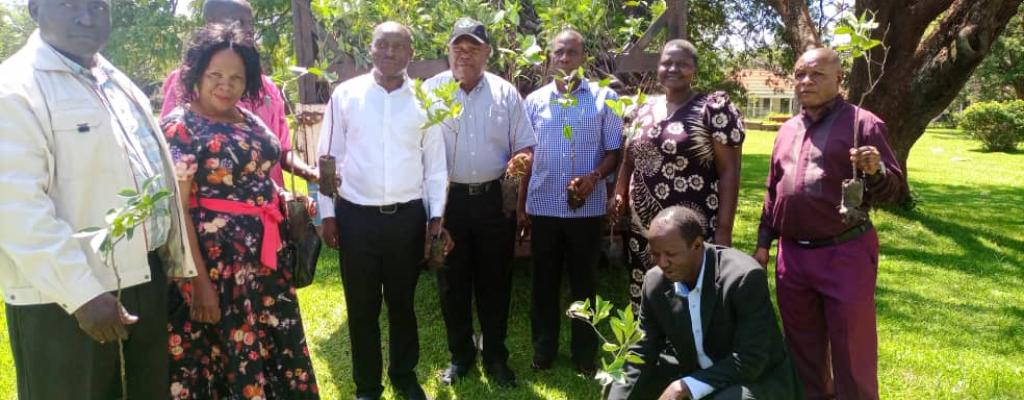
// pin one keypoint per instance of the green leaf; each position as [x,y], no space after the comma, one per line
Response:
[615,106]
[633,358]
[97,242]
[843,30]
[498,16]
[567,132]
[163,194]
[610,347]
[297,70]
[617,329]
[127,193]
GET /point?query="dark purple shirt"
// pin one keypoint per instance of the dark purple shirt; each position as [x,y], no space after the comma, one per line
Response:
[809,162]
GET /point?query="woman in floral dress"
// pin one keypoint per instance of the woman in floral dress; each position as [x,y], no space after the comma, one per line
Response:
[685,151]
[235,330]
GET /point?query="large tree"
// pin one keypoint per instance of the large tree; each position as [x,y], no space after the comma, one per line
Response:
[934,47]
[1001,76]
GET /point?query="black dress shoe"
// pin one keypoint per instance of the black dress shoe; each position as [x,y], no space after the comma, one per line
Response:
[414,392]
[454,372]
[586,369]
[501,374]
[540,364]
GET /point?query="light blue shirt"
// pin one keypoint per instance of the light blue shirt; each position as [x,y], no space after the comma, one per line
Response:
[492,127]
[697,388]
[137,138]
[596,129]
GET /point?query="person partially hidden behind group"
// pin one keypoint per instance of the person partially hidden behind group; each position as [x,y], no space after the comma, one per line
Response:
[235,330]
[712,304]
[269,105]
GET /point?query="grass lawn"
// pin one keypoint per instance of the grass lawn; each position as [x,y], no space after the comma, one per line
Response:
[950,290]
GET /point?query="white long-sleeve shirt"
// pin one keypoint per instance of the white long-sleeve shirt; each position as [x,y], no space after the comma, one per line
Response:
[698,389]
[382,154]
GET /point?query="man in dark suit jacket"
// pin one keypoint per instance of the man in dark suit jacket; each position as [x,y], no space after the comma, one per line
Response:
[712,304]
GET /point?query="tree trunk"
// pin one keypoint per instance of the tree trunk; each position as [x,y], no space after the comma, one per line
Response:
[1018,89]
[801,33]
[934,47]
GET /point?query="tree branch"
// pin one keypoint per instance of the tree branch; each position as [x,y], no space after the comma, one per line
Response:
[956,47]
[801,33]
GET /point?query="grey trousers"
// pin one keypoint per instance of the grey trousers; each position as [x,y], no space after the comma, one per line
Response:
[55,359]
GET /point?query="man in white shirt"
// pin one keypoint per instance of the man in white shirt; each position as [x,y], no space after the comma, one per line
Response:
[74,131]
[394,176]
[712,304]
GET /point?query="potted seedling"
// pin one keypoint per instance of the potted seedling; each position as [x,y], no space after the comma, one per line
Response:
[441,109]
[859,47]
[626,333]
[121,223]
[568,101]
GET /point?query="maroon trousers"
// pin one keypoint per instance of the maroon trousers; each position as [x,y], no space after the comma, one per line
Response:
[827,301]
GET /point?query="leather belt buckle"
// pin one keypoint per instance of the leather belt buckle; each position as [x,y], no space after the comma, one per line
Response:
[803,242]
[476,189]
[388,209]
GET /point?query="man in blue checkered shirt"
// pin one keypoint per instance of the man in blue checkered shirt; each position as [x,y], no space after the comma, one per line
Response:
[567,196]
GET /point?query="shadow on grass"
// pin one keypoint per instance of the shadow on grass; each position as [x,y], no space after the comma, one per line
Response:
[900,310]
[985,151]
[975,233]
[984,221]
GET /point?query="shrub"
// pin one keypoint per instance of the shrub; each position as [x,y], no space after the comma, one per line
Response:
[998,125]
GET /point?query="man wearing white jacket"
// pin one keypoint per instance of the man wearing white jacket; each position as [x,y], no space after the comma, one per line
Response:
[74,131]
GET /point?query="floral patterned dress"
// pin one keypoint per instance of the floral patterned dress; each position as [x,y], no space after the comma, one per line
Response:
[674,165]
[258,349]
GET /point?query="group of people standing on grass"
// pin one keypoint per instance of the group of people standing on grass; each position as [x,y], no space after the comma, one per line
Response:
[208,308]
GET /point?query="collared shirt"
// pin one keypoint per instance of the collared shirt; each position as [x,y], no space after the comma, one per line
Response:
[133,133]
[596,129]
[810,160]
[493,126]
[382,154]
[697,388]
[270,109]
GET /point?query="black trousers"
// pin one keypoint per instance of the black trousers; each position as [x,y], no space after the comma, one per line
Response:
[55,359]
[574,243]
[479,265]
[380,257]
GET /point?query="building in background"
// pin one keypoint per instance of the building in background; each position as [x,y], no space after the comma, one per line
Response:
[767,93]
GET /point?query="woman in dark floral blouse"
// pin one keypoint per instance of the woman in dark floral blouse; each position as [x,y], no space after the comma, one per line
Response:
[235,330]
[685,150]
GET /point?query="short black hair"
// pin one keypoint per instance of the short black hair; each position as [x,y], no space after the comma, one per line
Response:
[211,39]
[686,220]
[684,45]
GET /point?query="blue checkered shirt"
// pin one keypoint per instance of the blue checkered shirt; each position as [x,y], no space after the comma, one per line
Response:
[130,124]
[596,129]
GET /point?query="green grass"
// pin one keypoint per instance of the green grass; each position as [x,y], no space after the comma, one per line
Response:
[950,290]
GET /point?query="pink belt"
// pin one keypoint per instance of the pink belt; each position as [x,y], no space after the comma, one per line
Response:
[269,214]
